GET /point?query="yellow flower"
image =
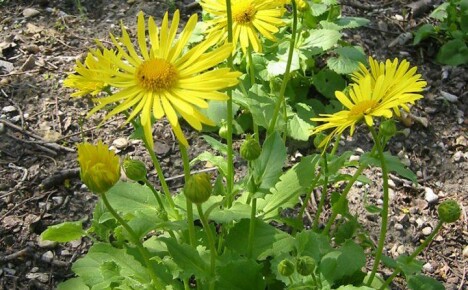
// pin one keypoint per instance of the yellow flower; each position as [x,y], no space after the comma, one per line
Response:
[379,92]
[88,77]
[249,18]
[100,167]
[163,79]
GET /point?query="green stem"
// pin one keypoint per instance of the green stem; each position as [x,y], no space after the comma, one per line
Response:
[161,205]
[252,227]
[343,196]
[252,82]
[414,255]
[161,178]
[287,74]
[384,213]
[229,118]
[324,192]
[191,226]
[211,244]
[308,196]
[143,251]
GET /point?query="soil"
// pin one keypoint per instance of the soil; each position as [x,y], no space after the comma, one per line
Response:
[40,125]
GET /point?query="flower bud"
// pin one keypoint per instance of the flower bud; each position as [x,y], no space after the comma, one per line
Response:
[388,128]
[223,130]
[134,169]
[99,167]
[286,268]
[305,265]
[449,211]
[250,149]
[198,188]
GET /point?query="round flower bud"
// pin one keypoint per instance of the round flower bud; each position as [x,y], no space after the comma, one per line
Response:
[99,166]
[286,268]
[388,128]
[250,149]
[223,130]
[305,265]
[134,169]
[449,211]
[198,188]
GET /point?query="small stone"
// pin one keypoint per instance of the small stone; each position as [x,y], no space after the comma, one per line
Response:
[458,156]
[41,277]
[401,249]
[428,268]
[391,194]
[419,222]
[354,158]
[47,256]
[465,252]
[58,200]
[9,109]
[75,244]
[391,183]
[120,143]
[45,244]
[30,12]
[398,227]
[2,128]
[65,253]
[427,231]
[430,196]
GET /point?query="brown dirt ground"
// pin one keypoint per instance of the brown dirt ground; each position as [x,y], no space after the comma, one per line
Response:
[40,125]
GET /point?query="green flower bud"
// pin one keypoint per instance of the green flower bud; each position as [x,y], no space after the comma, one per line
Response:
[198,188]
[134,169]
[286,268]
[388,128]
[305,265]
[250,149]
[223,130]
[449,211]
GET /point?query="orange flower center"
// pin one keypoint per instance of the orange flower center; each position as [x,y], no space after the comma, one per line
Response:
[157,75]
[243,12]
[363,108]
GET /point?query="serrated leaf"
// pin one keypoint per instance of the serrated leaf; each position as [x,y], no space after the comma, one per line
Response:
[215,144]
[352,22]
[454,52]
[64,232]
[327,82]
[393,164]
[291,184]
[130,198]
[187,258]
[268,167]
[421,282]
[236,212]
[315,245]
[440,13]
[218,161]
[217,111]
[423,32]
[73,284]
[278,67]
[409,266]
[318,8]
[299,129]
[322,38]
[249,270]
[347,61]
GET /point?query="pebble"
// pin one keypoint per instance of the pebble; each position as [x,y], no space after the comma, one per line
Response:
[465,252]
[30,12]
[2,128]
[427,231]
[458,156]
[45,244]
[120,143]
[430,196]
[419,222]
[47,256]
[354,158]
[41,277]
[398,226]
[57,200]
[391,183]
[9,109]
[401,249]
[428,268]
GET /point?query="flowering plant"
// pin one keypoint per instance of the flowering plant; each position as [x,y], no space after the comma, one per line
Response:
[249,234]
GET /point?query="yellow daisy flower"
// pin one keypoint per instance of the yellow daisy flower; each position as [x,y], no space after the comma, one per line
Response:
[87,78]
[163,79]
[376,93]
[99,167]
[249,18]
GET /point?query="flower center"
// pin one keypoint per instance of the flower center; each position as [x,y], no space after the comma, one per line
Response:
[363,108]
[243,12]
[156,75]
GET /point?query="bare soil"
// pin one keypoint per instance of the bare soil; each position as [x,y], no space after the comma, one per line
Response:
[40,125]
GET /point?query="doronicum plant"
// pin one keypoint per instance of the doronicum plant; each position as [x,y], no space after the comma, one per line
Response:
[218,232]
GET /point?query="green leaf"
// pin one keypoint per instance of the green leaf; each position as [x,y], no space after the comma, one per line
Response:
[347,61]
[268,167]
[322,38]
[393,164]
[315,245]
[130,198]
[64,232]
[327,82]
[352,22]
[217,111]
[236,212]
[351,287]
[73,284]
[299,129]
[215,144]
[423,32]
[99,254]
[218,161]
[291,184]
[264,239]
[409,266]
[346,262]
[421,282]
[454,52]
[440,12]
[187,258]
[278,67]
[318,8]
[229,276]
